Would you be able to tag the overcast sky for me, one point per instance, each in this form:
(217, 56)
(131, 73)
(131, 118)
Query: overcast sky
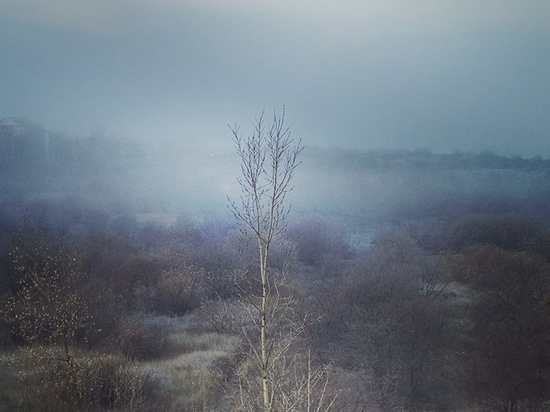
(373, 74)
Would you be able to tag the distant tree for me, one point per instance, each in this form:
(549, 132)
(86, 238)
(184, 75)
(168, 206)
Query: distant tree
(509, 362)
(319, 243)
(396, 322)
(508, 231)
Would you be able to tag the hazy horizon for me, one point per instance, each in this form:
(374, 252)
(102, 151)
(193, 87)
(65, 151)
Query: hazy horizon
(446, 76)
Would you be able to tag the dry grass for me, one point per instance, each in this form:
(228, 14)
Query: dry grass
(189, 378)
(8, 389)
(193, 378)
(91, 381)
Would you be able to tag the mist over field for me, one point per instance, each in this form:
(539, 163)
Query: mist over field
(125, 272)
(167, 244)
(123, 179)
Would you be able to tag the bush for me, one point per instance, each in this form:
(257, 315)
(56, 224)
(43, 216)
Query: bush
(50, 306)
(318, 243)
(144, 342)
(93, 382)
(180, 290)
(509, 232)
(507, 338)
(104, 380)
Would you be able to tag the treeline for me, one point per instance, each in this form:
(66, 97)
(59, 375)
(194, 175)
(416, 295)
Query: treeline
(27, 147)
(406, 184)
(447, 314)
(423, 159)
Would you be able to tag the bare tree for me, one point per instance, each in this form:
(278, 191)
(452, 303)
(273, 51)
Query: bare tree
(269, 158)
(50, 306)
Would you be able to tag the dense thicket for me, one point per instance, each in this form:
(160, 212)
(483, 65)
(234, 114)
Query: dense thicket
(441, 303)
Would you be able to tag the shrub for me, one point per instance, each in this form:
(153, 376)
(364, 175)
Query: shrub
(143, 342)
(103, 380)
(49, 306)
(93, 382)
(180, 290)
(318, 243)
(508, 231)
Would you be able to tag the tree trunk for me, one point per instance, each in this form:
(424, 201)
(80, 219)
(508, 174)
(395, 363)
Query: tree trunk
(263, 329)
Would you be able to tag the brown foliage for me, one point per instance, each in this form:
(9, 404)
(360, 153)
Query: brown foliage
(49, 306)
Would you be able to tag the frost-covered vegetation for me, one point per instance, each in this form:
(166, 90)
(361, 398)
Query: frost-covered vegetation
(416, 281)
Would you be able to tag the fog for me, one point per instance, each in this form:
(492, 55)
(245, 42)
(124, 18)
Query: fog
(403, 111)
(87, 182)
(402, 258)
(449, 76)
(411, 273)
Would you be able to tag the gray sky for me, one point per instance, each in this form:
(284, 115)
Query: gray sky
(382, 74)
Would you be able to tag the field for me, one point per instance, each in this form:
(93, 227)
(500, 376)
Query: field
(401, 281)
